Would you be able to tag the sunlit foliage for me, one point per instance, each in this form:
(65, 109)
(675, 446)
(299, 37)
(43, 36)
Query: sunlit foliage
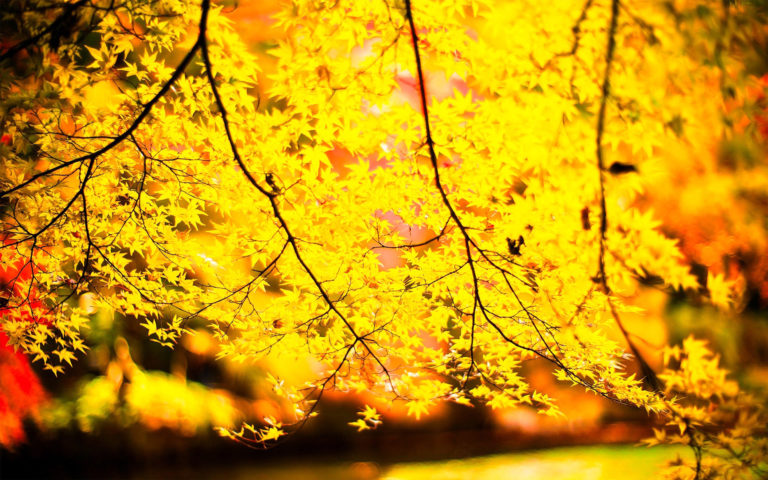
(421, 197)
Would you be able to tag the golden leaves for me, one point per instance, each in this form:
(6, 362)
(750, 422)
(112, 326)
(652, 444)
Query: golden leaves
(709, 412)
(370, 419)
(412, 280)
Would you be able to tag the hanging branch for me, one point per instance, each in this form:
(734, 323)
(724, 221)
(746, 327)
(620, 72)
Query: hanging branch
(272, 196)
(606, 92)
(649, 375)
(548, 352)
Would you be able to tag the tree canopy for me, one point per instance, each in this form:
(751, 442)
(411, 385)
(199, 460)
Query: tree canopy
(421, 196)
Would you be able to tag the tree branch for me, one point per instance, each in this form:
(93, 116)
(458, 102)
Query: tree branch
(469, 243)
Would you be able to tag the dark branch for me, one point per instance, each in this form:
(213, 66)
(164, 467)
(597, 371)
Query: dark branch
(469, 243)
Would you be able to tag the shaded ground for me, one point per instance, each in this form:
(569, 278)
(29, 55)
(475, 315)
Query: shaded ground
(627, 462)
(134, 452)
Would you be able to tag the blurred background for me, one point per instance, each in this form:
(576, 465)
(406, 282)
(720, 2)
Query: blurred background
(134, 409)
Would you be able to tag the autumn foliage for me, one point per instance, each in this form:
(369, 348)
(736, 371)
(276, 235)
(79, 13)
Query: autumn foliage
(422, 197)
(21, 394)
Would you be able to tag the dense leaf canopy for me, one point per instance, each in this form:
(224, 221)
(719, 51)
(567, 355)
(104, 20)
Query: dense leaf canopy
(421, 196)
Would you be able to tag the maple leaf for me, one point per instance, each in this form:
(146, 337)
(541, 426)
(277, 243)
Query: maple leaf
(271, 433)
(360, 424)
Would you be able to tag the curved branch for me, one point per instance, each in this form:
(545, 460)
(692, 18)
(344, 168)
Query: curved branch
(272, 196)
(469, 243)
(606, 92)
(145, 111)
(649, 376)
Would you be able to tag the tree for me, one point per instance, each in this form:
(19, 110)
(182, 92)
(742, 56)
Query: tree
(422, 196)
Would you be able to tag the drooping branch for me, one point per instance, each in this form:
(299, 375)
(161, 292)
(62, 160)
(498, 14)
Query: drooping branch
(469, 244)
(90, 160)
(649, 376)
(145, 111)
(606, 93)
(272, 196)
